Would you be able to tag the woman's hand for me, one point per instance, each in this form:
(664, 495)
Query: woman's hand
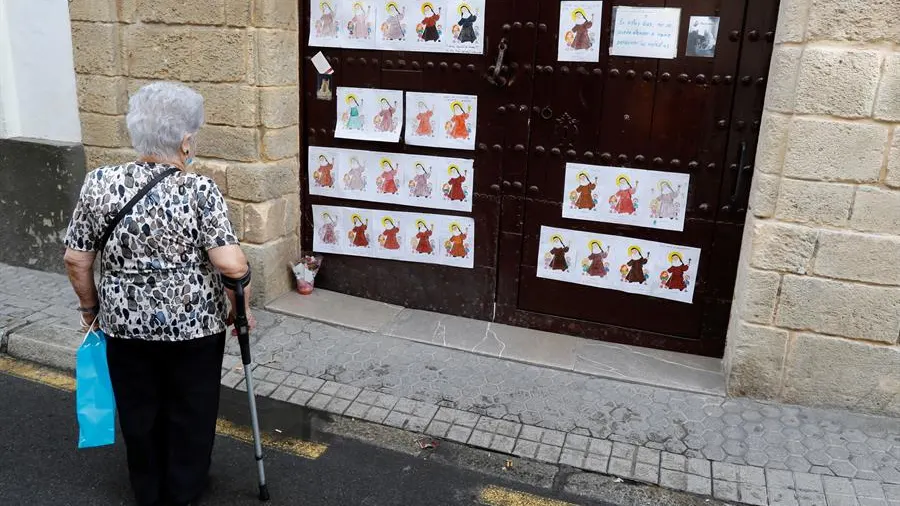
(229, 321)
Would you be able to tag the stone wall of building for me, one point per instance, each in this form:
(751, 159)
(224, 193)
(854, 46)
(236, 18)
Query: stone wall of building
(242, 55)
(816, 318)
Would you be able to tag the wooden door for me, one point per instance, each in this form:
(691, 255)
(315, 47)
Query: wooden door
(687, 115)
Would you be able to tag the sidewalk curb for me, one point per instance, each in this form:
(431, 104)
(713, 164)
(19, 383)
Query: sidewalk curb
(50, 345)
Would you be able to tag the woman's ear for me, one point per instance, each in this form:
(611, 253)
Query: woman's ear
(186, 143)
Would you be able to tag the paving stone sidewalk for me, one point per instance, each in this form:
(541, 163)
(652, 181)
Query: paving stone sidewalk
(733, 449)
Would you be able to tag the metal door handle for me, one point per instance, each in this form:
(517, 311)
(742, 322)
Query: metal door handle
(740, 169)
(493, 75)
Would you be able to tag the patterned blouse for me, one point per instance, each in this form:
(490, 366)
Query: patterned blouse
(157, 281)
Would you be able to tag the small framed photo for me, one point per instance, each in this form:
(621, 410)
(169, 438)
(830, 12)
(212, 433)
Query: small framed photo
(702, 34)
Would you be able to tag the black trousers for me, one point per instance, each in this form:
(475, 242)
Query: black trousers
(167, 396)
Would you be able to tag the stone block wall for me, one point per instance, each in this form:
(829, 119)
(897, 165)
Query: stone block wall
(242, 56)
(816, 318)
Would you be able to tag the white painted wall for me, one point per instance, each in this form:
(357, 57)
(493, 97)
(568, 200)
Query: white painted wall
(37, 75)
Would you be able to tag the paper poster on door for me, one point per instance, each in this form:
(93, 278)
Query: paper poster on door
(327, 23)
(702, 34)
(328, 233)
(392, 235)
(456, 240)
(556, 255)
(579, 31)
(430, 33)
(361, 24)
(677, 276)
(323, 165)
(618, 263)
(369, 114)
(636, 197)
(441, 120)
(390, 178)
(467, 33)
(396, 24)
(645, 32)
(357, 181)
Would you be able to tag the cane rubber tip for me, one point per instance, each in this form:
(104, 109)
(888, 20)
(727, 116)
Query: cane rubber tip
(263, 492)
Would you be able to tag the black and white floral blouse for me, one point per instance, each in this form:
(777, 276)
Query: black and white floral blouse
(158, 283)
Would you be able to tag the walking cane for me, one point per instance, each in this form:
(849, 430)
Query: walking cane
(243, 330)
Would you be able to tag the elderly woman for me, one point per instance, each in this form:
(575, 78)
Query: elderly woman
(161, 300)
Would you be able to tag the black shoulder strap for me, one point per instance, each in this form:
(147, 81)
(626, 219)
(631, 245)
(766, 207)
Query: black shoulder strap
(130, 205)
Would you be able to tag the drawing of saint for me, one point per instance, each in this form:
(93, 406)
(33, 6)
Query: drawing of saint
(466, 25)
(420, 186)
(352, 118)
(358, 236)
(423, 243)
(457, 127)
(358, 27)
(596, 264)
(666, 205)
(326, 25)
(424, 123)
(428, 29)
(674, 278)
(355, 178)
(327, 231)
(558, 260)
(623, 201)
(384, 120)
(388, 238)
(581, 30)
(387, 181)
(393, 26)
(453, 190)
(633, 271)
(583, 194)
(324, 174)
(456, 244)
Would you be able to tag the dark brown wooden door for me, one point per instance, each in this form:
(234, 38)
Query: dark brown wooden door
(689, 115)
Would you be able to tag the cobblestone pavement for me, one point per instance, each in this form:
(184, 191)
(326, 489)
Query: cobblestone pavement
(734, 449)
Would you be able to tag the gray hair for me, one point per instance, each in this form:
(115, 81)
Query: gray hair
(160, 115)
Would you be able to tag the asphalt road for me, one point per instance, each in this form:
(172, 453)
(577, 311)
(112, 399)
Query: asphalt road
(40, 466)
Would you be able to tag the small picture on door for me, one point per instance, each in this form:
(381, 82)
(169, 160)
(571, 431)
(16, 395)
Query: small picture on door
(595, 263)
(467, 33)
(395, 30)
(636, 268)
(430, 30)
(327, 23)
(579, 31)
(669, 201)
(457, 240)
(358, 232)
(328, 233)
(624, 201)
(355, 181)
(557, 254)
(676, 278)
(702, 34)
(390, 236)
(324, 166)
(389, 180)
(422, 239)
(421, 186)
(369, 114)
(360, 31)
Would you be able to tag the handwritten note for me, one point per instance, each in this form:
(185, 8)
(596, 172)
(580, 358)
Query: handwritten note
(645, 32)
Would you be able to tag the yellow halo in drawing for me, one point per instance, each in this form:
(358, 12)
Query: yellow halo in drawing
(460, 8)
(391, 4)
(325, 4)
(455, 225)
(623, 177)
(386, 161)
(592, 242)
(386, 220)
(576, 12)
(355, 217)
(328, 216)
(632, 249)
(555, 237)
(665, 183)
(451, 168)
(358, 4)
(673, 255)
(427, 5)
(421, 223)
(456, 103)
(585, 174)
(351, 97)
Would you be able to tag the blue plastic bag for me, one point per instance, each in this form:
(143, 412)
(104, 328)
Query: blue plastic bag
(95, 402)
